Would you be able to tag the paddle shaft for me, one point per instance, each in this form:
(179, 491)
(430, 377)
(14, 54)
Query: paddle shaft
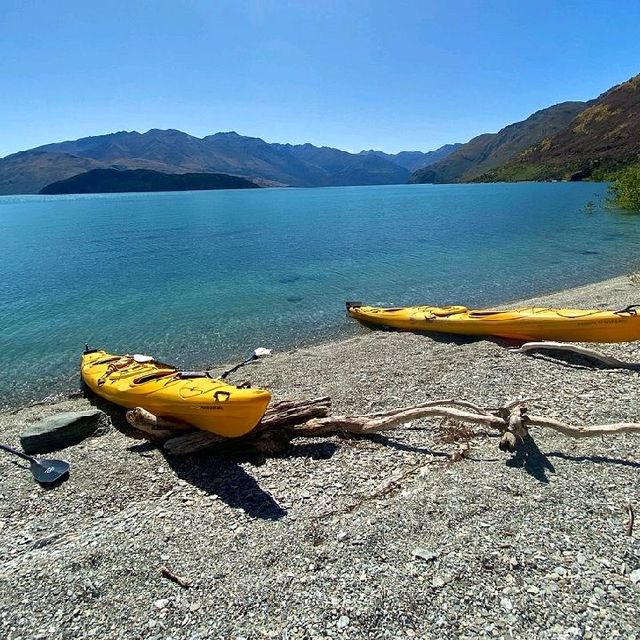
(17, 453)
(251, 358)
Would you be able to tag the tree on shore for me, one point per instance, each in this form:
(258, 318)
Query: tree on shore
(625, 189)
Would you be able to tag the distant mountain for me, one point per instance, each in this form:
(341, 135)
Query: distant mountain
(490, 150)
(414, 160)
(172, 151)
(133, 180)
(341, 168)
(602, 138)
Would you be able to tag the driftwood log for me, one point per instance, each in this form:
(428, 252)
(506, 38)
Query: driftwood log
(309, 418)
(604, 360)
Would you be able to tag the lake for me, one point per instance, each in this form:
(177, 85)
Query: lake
(200, 278)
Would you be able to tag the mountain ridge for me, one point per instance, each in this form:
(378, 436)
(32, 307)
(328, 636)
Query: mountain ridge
(600, 140)
(490, 150)
(173, 151)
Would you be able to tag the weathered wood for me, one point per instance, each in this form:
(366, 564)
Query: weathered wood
(375, 422)
(185, 583)
(63, 430)
(583, 431)
(630, 519)
(290, 419)
(290, 412)
(154, 426)
(192, 442)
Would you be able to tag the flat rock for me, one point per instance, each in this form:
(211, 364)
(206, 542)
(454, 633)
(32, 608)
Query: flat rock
(63, 430)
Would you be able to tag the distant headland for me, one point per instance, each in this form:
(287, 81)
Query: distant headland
(135, 180)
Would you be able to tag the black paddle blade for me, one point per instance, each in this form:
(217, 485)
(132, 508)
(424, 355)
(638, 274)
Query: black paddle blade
(49, 471)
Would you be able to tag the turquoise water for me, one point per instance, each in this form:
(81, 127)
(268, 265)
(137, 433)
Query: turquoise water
(199, 278)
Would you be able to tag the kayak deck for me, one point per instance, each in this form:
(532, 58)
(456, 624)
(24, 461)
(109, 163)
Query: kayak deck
(196, 399)
(525, 323)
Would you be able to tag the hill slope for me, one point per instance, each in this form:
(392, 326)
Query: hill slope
(602, 138)
(173, 151)
(134, 180)
(491, 150)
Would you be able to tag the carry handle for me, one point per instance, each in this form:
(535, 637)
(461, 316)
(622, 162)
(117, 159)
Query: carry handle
(221, 393)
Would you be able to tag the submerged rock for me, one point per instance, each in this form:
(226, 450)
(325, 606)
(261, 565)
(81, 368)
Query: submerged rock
(63, 430)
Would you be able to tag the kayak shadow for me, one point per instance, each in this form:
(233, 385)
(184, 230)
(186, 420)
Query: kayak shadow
(116, 414)
(446, 338)
(225, 478)
(220, 473)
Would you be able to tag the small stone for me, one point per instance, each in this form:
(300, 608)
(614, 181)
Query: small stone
(581, 558)
(438, 582)
(506, 604)
(343, 621)
(161, 604)
(341, 535)
(634, 576)
(194, 606)
(425, 554)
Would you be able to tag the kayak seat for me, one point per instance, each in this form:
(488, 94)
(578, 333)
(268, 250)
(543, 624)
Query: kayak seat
(105, 360)
(150, 377)
(448, 311)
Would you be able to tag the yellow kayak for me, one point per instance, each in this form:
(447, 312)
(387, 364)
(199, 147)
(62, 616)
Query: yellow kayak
(193, 398)
(526, 323)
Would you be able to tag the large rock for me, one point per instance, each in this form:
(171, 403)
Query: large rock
(63, 430)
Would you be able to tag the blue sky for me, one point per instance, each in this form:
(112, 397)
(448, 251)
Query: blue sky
(350, 74)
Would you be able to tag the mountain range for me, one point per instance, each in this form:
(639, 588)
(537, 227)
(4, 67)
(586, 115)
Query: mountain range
(568, 141)
(176, 152)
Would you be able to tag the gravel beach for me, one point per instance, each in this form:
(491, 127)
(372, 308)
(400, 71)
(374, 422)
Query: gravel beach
(377, 537)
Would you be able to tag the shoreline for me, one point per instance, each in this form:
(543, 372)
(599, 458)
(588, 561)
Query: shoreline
(589, 295)
(346, 537)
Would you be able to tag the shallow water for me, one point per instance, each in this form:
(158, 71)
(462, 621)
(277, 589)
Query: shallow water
(199, 278)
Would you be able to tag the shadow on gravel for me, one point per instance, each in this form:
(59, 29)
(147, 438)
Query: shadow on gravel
(378, 438)
(313, 450)
(597, 459)
(448, 338)
(532, 460)
(226, 479)
(219, 475)
(116, 413)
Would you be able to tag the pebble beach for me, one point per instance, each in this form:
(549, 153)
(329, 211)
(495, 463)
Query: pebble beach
(387, 536)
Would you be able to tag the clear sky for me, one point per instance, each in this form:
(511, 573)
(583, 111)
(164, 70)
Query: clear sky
(352, 74)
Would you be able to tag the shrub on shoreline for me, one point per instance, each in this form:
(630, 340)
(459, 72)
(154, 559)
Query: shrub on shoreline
(625, 189)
